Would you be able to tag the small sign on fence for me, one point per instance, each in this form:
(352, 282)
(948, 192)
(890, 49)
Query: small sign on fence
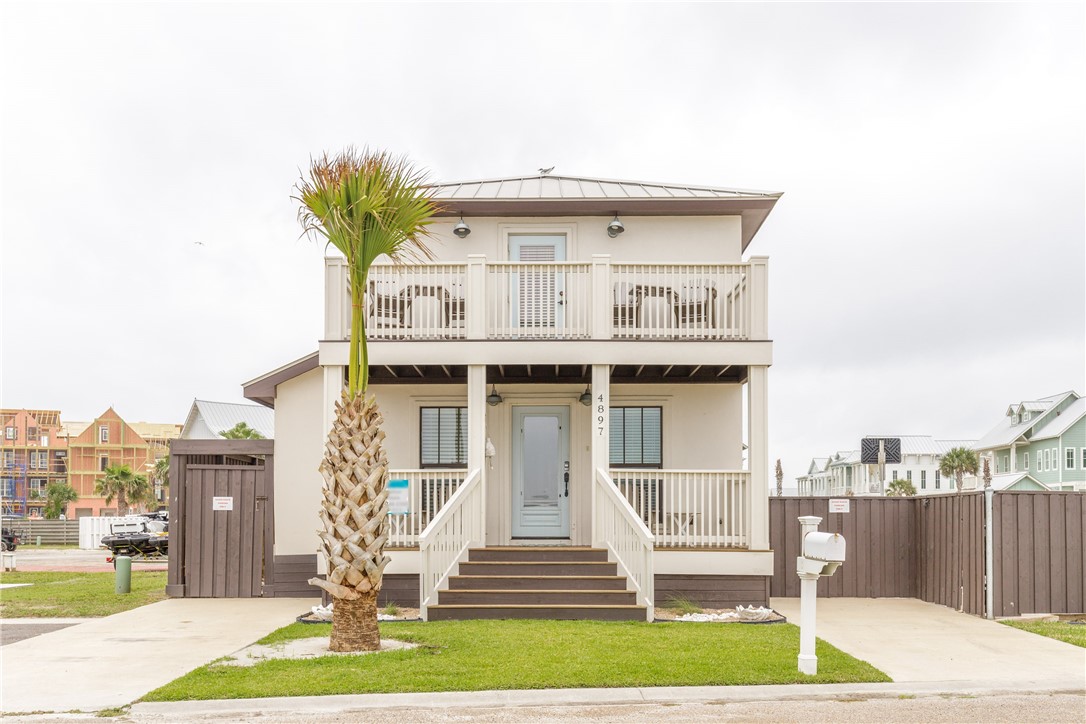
(838, 505)
(222, 503)
(399, 500)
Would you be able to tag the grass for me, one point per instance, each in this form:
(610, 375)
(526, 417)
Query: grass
(485, 655)
(1060, 630)
(391, 609)
(76, 595)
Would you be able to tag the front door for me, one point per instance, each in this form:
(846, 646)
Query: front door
(541, 472)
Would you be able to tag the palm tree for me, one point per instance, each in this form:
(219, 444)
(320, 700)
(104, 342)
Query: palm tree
(901, 488)
(957, 462)
(241, 431)
(366, 205)
(126, 486)
(780, 479)
(57, 497)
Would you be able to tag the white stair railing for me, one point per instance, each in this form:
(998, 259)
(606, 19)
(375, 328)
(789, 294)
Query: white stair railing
(616, 527)
(445, 542)
(429, 490)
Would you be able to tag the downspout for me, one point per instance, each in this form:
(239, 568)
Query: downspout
(989, 559)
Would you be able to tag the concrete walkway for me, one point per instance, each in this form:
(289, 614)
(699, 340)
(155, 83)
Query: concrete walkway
(112, 661)
(914, 641)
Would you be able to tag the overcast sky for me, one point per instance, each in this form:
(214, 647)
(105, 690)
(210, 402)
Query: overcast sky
(926, 262)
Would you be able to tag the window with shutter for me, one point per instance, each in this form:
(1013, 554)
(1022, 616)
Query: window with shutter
(443, 437)
(636, 437)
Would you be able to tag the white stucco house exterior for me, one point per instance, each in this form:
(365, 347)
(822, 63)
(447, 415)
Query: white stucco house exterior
(570, 373)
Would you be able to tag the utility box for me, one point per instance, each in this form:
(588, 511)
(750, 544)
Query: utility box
(828, 547)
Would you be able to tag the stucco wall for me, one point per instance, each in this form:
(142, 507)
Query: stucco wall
(647, 238)
(299, 443)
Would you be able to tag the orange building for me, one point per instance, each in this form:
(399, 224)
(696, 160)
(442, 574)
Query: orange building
(106, 441)
(33, 453)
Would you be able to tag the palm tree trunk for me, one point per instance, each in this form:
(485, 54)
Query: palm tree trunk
(354, 624)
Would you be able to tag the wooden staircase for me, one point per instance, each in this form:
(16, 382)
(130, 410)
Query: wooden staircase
(537, 582)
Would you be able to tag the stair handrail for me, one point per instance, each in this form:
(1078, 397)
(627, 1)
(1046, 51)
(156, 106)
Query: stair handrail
(619, 529)
(444, 543)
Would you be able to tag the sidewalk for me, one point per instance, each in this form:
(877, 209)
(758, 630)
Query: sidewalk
(914, 641)
(112, 661)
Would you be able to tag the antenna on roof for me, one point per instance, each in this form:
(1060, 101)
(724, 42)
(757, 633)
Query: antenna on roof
(545, 171)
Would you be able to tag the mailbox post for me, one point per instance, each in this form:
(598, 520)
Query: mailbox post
(822, 553)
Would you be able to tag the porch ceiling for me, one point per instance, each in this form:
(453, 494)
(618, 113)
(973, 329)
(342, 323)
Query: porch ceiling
(580, 374)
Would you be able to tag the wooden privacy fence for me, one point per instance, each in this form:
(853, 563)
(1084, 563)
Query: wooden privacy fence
(52, 532)
(221, 518)
(933, 548)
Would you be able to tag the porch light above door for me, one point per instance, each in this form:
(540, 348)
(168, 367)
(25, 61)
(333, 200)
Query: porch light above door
(615, 227)
(461, 229)
(586, 396)
(493, 399)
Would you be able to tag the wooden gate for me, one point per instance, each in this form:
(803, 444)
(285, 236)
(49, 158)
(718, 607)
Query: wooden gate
(221, 518)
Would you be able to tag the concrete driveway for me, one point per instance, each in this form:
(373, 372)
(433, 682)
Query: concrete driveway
(914, 641)
(112, 661)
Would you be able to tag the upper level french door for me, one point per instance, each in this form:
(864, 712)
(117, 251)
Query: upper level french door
(537, 295)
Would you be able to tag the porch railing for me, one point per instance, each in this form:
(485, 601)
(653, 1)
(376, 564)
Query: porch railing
(428, 492)
(444, 543)
(690, 508)
(538, 300)
(482, 299)
(680, 301)
(616, 527)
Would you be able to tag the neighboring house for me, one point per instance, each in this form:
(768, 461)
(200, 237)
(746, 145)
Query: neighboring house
(158, 436)
(577, 364)
(1038, 444)
(843, 474)
(33, 454)
(108, 440)
(207, 419)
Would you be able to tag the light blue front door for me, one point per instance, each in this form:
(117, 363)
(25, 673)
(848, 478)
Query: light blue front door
(541, 472)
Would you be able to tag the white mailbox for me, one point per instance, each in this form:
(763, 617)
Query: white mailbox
(829, 547)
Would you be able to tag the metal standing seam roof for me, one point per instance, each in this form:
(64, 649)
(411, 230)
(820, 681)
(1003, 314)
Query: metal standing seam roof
(206, 419)
(1068, 417)
(579, 187)
(1004, 433)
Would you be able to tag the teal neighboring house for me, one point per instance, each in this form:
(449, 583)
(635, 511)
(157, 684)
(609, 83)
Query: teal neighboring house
(1039, 445)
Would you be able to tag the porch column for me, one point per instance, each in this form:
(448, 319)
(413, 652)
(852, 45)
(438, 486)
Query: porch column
(602, 298)
(477, 428)
(758, 455)
(601, 417)
(475, 297)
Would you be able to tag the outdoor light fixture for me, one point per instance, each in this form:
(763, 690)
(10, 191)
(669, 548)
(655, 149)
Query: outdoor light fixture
(586, 396)
(493, 399)
(461, 229)
(615, 227)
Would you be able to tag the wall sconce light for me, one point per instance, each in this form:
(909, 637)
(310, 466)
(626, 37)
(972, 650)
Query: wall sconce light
(586, 396)
(493, 399)
(461, 229)
(615, 227)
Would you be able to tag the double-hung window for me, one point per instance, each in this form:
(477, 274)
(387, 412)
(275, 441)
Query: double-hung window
(637, 437)
(923, 479)
(1069, 454)
(103, 433)
(443, 437)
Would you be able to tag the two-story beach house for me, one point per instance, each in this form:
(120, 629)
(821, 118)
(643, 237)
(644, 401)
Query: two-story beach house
(566, 393)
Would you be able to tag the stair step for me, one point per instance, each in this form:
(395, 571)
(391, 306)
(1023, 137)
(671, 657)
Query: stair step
(538, 554)
(537, 597)
(444, 612)
(517, 583)
(563, 568)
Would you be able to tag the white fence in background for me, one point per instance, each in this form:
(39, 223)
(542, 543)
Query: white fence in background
(92, 529)
(690, 508)
(428, 490)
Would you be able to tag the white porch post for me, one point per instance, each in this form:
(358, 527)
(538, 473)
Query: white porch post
(477, 429)
(602, 303)
(758, 455)
(601, 431)
(475, 298)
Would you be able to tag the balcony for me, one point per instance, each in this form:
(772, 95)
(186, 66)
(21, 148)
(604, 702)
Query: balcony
(596, 300)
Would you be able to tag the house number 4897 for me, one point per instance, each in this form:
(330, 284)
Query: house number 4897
(601, 415)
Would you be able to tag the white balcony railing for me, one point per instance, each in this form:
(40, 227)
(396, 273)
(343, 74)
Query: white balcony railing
(690, 508)
(616, 527)
(554, 300)
(428, 490)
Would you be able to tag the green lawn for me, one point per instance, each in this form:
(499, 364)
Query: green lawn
(1065, 631)
(76, 595)
(483, 655)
